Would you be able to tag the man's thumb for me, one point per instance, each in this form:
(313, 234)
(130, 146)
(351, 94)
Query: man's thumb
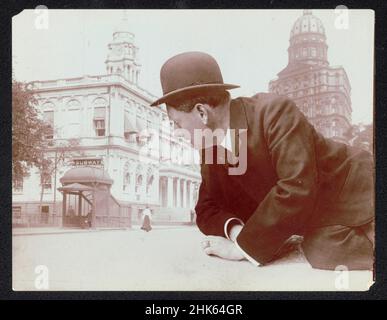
(208, 250)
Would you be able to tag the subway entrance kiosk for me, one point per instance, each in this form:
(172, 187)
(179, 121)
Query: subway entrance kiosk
(88, 202)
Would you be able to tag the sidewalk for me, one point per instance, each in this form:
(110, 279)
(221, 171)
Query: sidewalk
(64, 230)
(165, 259)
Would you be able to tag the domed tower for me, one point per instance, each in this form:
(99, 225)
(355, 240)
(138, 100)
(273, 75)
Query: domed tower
(320, 91)
(308, 41)
(123, 57)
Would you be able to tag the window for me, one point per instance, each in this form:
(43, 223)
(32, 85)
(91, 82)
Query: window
(314, 52)
(48, 118)
(143, 133)
(99, 126)
(149, 181)
(99, 117)
(304, 52)
(46, 182)
(74, 128)
(126, 181)
(18, 185)
(45, 210)
(16, 212)
(99, 121)
(126, 177)
(129, 127)
(138, 183)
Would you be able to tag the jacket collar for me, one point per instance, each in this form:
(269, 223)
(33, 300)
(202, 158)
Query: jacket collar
(238, 118)
(238, 121)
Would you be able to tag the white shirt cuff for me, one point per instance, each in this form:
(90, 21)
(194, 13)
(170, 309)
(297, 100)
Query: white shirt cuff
(252, 260)
(226, 225)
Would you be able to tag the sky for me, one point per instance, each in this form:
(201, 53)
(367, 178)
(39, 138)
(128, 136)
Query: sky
(249, 45)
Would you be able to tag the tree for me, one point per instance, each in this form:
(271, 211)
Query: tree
(48, 166)
(30, 145)
(28, 131)
(361, 136)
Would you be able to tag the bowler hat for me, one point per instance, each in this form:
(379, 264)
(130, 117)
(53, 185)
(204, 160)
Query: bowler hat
(190, 74)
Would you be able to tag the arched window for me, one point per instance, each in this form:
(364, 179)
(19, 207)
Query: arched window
(48, 118)
(130, 129)
(149, 180)
(17, 184)
(126, 178)
(74, 118)
(139, 179)
(138, 182)
(45, 181)
(99, 119)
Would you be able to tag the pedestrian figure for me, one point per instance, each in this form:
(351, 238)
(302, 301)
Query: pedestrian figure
(146, 222)
(87, 220)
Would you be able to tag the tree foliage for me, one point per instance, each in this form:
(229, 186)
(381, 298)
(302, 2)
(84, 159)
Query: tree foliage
(361, 136)
(28, 131)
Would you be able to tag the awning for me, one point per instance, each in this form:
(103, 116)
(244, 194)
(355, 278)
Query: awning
(142, 128)
(141, 124)
(129, 126)
(85, 174)
(75, 187)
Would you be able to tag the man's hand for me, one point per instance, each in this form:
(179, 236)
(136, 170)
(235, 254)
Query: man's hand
(221, 247)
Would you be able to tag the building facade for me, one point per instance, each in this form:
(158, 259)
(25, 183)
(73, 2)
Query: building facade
(106, 121)
(321, 92)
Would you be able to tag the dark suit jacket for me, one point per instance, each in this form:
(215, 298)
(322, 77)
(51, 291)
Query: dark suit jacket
(296, 179)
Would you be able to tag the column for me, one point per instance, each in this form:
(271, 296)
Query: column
(184, 200)
(189, 194)
(64, 208)
(170, 191)
(194, 193)
(178, 193)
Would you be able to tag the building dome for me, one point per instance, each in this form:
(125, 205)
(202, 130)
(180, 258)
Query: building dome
(308, 41)
(307, 23)
(86, 175)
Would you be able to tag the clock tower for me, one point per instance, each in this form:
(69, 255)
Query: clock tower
(122, 58)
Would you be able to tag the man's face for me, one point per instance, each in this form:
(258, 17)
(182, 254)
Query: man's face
(188, 121)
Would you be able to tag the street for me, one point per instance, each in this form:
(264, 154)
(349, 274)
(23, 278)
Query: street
(165, 259)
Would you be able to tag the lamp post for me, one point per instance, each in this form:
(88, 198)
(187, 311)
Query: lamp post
(55, 171)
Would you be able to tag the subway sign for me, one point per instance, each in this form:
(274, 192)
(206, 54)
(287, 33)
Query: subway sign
(87, 162)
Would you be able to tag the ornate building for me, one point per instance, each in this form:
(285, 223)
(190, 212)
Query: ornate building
(114, 127)
(321, 92)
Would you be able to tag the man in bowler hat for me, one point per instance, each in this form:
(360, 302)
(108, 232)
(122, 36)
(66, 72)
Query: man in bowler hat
(296, 186)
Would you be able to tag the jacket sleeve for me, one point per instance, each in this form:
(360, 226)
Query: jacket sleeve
(210, 217)
(290, 202)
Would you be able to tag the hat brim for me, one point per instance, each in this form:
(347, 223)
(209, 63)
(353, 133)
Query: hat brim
(192, 90)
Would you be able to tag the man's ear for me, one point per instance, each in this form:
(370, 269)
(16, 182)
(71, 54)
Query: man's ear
(202, 111)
